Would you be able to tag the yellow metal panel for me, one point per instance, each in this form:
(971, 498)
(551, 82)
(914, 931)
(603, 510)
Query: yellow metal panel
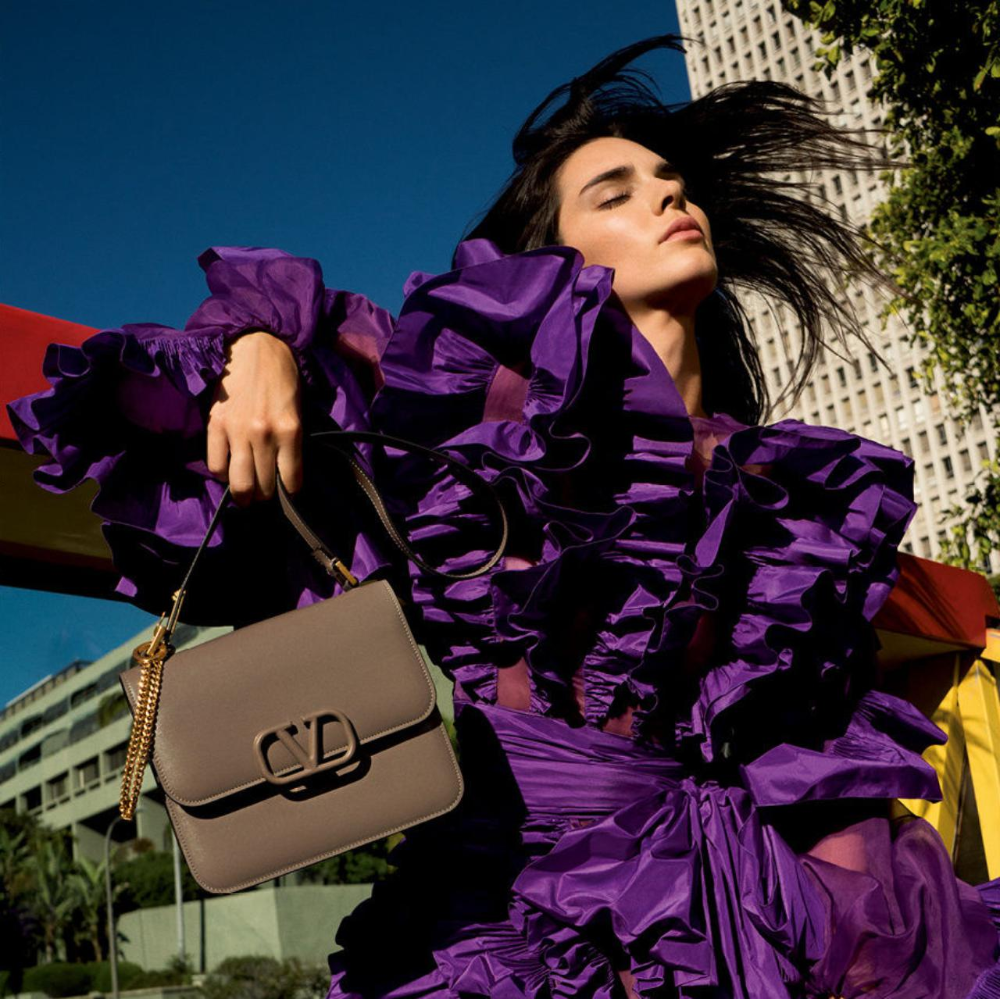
(979, 707)
(947, 761)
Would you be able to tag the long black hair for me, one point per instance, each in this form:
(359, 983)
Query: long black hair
(732, 147)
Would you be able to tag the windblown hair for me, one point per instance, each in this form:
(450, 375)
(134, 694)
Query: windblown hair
(732, 146)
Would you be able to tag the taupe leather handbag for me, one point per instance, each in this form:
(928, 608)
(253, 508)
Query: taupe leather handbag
(301, 736)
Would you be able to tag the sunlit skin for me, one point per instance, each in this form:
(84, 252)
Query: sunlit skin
(620, 223)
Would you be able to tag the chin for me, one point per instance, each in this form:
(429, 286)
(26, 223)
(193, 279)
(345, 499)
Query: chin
(699, 277)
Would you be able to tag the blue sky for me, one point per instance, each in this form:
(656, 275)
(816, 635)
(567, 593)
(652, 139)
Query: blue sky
(135, 135)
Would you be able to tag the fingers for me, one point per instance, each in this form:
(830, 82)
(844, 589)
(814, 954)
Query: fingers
(290, 457)
(249, 464)
(217, 458)
(242, 476)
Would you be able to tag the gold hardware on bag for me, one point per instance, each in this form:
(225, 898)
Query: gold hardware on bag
(150, 656)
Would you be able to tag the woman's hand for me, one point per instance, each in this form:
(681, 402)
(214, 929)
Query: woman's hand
(255, 423)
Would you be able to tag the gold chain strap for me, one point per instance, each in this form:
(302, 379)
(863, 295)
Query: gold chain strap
(150, 656)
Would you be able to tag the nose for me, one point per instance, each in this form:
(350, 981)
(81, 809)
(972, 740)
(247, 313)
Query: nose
(670, 194)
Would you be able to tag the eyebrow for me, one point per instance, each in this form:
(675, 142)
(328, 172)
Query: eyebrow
(624, 171)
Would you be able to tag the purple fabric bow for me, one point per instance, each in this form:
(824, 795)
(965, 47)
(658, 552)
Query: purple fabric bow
(679, 873)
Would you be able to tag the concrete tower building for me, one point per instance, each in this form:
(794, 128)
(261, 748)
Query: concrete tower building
(756, 39)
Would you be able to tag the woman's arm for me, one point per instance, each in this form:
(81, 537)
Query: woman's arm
(131, 408)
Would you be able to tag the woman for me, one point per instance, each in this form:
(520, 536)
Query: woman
(679, 778)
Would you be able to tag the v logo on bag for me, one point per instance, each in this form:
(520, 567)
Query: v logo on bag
(308, 760)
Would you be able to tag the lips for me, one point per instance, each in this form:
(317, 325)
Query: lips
(683, 224)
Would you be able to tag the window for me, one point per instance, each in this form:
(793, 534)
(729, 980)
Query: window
(924, 444)
(841, 377)
(757, 28)
(911, 376)
(850, 81)
(904, 445)
(731, 45)
(901, 420)
(838, 186)
(771, 19)
(57, 787)
(966, 459)
(984, 451)
(87, 772)
(114, 758)
(762, 50)
(775, 40)
(942, 434)
(857, 368)
(949, 472)
(872, 361)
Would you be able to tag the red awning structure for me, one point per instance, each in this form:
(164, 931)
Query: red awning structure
(47, 542)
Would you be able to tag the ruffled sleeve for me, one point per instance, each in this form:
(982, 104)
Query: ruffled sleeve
(814, 517)
(128, 408)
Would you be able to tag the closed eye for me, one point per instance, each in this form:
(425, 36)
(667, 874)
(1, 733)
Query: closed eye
(612, 201)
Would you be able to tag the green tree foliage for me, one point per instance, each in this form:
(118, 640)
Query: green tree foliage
(51, 900)
(936, 69)
(147, 879)
(88, 892)
(359, 866)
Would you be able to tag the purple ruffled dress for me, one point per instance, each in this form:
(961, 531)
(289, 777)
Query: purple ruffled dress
(678, 775)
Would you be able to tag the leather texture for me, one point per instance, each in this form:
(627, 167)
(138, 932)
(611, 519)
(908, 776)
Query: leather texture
(353, 654)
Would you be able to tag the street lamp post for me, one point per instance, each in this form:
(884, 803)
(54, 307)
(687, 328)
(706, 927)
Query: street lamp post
(112, 936)
(179, 899)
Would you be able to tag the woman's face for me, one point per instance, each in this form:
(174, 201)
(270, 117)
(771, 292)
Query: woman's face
(620, 221)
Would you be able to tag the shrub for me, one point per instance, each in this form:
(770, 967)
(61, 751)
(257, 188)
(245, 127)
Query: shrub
(60, 978)
(130, 976)
(266, 978)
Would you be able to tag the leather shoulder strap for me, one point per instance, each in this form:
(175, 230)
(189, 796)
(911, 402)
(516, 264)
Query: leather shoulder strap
(339, 440)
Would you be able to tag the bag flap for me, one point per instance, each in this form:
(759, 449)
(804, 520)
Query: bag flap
(273, 682)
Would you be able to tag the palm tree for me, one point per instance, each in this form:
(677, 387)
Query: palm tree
(17, 925)
(87, 886)
(52, 899)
